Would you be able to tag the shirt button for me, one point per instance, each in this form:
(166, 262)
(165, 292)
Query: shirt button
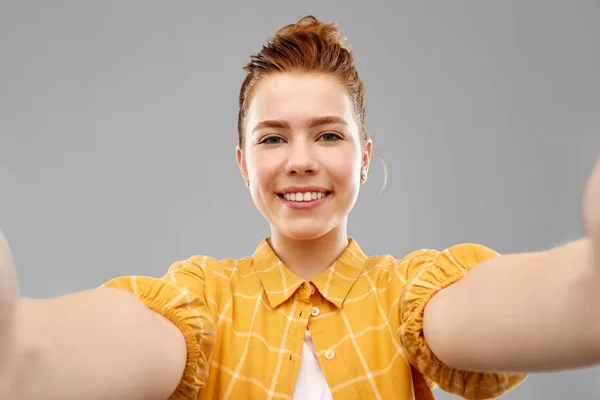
(315, 311)
(312, 289)
(329, 354)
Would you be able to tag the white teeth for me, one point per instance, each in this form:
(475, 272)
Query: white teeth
(307, 196)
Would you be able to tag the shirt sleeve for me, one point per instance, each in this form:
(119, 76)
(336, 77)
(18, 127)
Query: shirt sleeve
(427, 272)
(179, 297)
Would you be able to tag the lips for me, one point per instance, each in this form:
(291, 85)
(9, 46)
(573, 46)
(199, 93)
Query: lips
(304, 196)
(304, 193)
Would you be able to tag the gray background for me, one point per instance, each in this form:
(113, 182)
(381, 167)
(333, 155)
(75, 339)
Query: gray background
(118, 132)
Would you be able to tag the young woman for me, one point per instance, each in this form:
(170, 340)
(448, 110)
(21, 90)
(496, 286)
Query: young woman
(309, 315)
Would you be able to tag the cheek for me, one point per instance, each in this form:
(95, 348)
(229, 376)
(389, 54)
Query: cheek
(263, 168)
(345, 171)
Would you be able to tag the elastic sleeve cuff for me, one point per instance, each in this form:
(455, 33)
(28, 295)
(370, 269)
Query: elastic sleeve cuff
(443, 269)
(190, 314)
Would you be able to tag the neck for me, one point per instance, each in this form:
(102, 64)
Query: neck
(309, 258)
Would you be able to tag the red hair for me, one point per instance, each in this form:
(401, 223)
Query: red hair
(308, 46)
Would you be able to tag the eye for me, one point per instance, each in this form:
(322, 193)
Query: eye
(330, 137)
(271, 140)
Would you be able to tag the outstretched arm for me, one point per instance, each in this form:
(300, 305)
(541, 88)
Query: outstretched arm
(527, 312)
(98, 344)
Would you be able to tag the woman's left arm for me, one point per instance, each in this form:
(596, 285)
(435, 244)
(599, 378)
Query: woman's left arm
(528, 312)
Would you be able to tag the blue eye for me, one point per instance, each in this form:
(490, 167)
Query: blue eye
(330, 137)
(271, 140)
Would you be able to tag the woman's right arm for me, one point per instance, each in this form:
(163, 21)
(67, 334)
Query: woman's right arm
(98, 344)
(133, 338)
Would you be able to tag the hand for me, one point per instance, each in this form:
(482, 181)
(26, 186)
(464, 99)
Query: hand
(590, 211)
(8, 295)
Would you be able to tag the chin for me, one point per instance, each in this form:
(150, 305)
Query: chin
(303, 235)
(304, 231)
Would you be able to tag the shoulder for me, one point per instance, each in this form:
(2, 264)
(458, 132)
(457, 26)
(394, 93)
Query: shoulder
(463, 254)
(203, 264)
(457, 259)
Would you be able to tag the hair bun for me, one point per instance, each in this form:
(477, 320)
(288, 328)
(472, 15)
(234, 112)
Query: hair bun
(327, 32)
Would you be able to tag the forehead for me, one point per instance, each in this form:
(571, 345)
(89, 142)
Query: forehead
(297, 97)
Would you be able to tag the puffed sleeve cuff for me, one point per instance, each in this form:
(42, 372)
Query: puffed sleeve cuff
(189, 313)
(439, 270)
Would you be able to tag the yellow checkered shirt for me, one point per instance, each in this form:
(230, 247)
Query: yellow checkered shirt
(245, 320)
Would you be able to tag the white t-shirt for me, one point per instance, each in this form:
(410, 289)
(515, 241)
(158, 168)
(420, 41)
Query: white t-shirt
(311, 383)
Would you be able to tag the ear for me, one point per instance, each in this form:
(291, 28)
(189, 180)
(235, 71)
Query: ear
(366, 157)
(239, 157)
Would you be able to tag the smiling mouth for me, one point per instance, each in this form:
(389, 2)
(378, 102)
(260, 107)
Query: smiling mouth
(304, 196)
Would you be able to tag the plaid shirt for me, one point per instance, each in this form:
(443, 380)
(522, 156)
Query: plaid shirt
(245, 320)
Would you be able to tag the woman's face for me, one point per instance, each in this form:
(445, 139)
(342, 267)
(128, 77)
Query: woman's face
(303, 154)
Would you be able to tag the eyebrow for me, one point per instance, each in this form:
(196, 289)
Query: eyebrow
(311, 123)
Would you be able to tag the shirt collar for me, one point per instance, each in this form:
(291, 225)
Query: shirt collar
(334, 283)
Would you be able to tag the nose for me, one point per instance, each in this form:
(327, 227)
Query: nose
(301, 160)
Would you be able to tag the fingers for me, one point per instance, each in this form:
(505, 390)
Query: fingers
(8, 281)
(8, 295)
(590, 207)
